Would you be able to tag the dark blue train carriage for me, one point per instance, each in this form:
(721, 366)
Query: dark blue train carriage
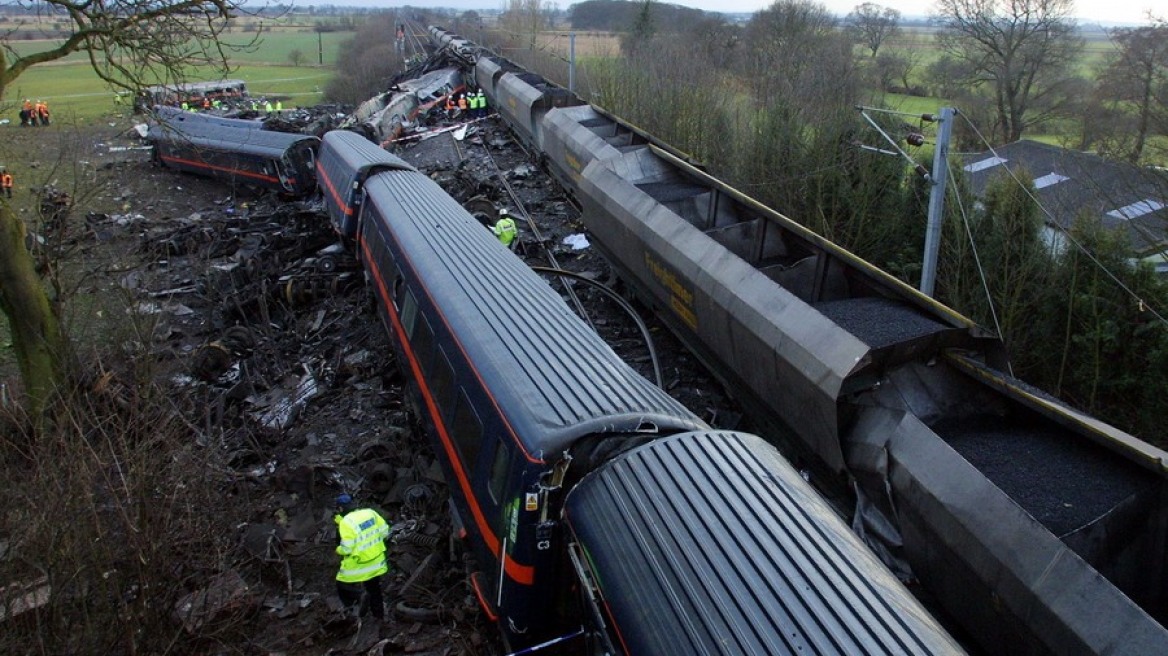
(712, 543)
(346, 160)
(278, 161)
(174, 115)
(522, 399)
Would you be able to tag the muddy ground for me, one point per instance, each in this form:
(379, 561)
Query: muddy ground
(289, 376)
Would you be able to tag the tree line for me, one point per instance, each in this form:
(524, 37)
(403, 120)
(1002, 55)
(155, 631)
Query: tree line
(618, 15)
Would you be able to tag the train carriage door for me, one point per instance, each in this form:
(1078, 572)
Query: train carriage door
(505, 514)
(300, 164)
(502, 508)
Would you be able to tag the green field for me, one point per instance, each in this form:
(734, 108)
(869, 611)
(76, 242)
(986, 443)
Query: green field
(73, 91)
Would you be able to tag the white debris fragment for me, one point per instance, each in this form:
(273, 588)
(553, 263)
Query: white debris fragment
(577, 242)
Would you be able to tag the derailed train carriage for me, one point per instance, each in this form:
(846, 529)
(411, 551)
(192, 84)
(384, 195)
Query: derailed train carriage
(175, 94)
(278, 161)
(346, 161)
(386, 116)
(580, 484)
(1038, 528)
(173, 115)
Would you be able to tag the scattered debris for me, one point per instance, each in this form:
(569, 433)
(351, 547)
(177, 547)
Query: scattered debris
(576, 242)
(263, 328)
(227, 595)
(22, 596)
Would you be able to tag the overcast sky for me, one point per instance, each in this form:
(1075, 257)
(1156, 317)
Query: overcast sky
(1106, 11)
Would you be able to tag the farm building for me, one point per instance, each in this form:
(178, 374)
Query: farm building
(1069, 183)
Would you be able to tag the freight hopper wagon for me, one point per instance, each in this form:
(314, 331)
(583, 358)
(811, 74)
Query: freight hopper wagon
(1040, 529)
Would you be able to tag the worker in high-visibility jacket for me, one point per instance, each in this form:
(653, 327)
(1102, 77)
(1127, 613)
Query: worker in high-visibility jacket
(505, 229)
(6, 182)
(42, 112)
(361, 536)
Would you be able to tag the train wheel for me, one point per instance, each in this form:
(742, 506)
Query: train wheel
(326, 264)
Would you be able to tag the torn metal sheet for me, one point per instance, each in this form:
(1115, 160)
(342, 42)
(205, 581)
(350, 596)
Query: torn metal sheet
(386, 116)
(22, 596)
(226, 595)
(283, 412)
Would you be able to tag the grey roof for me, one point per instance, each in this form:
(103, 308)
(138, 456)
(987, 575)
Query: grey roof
(711, 543)
(551, 375)
(1069, 182)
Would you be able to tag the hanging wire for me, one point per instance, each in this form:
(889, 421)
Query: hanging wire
(917, 166)
(976, 257)
(1066, 233)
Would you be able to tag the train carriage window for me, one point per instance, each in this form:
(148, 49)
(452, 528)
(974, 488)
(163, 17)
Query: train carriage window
(442, 383)
(409, 311)
(418, 332)
(499, 469)
(422, 342)
(397, 284)
(467, 431)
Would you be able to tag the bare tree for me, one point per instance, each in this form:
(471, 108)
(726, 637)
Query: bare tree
(1023, 50)
(794, 46)
(1137, 78)
(130, 43)
(527, 18)
(899, 66)
(366, 62)
(806, 84)
(871, 24)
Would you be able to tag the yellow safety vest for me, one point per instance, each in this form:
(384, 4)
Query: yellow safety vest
(363, 533)
(505, 230)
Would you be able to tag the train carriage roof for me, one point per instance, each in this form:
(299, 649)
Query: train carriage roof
(711, 543)
(198, 87)
(556, 379)
(353, 152)
(170, 115)
(209, 135)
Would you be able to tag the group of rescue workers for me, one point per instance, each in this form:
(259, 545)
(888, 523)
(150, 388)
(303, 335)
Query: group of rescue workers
(34, 114)
(472, 104)
(207, 104)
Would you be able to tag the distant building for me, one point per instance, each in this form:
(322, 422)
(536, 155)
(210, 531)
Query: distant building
(1068, 183)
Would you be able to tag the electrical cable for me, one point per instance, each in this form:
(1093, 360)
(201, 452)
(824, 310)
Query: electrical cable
(976, 258)
(628, 308)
